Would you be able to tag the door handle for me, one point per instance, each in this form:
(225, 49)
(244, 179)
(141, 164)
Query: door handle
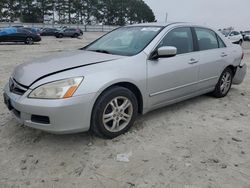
(223, 54)
(193, 61)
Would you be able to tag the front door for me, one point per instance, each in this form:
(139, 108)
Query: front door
(175, 77)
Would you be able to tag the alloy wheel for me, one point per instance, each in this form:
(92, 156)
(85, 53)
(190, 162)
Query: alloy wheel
(117, 114)
(225, 83)
(29, 40)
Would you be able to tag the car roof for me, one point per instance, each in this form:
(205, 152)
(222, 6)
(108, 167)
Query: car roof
(165, 24)
(157, 24)
(172, 24)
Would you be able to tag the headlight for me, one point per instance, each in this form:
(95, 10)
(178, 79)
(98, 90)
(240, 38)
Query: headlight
(57, 90)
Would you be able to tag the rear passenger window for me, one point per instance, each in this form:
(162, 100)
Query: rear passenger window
(221, 43)
(206, 39)
(181, 38)
(22, 31)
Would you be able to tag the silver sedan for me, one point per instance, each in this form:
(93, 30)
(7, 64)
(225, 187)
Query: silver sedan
(129, 71)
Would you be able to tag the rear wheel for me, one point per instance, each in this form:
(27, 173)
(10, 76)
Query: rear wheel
(114, 113)
(29, 40)
(224, 84)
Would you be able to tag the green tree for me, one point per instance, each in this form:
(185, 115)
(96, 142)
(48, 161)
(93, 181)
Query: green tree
(1, 10)
(110, 12)
(46, 7)
(10, 9)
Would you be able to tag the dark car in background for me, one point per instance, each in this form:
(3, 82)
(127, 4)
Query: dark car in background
(49, 31)
(246, 36)
(13, 34)
(69, 32)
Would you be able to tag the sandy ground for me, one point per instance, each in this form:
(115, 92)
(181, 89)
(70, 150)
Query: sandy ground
(203, 142)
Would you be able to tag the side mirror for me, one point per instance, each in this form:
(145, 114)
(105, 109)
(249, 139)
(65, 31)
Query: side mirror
(165, 51)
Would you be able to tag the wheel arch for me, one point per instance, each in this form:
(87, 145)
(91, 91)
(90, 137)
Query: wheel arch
(233, 68)
(130, 86)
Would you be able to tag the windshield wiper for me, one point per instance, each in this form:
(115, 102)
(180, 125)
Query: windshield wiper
(101, 51)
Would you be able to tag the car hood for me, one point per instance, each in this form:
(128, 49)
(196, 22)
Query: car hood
(28, 73)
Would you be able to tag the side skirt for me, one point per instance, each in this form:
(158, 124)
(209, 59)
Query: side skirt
(167, 103)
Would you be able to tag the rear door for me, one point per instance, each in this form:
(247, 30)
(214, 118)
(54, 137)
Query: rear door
(49, 32)
(174, 77)
(20, 35)
(213, 57)
(3, 36)
(7, 34)
(67, 32)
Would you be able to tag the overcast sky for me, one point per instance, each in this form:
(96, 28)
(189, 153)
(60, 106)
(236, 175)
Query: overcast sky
(215, 13)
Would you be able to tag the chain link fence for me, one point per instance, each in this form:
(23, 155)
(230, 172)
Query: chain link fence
(85, 28)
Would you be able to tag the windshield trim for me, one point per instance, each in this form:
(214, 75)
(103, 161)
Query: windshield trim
(160, 30)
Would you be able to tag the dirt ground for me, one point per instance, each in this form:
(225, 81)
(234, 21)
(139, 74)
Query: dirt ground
(202, 142)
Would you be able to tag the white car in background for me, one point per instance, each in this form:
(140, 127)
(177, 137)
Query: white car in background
(234, 36)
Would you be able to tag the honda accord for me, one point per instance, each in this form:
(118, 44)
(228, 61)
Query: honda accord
(132, 70)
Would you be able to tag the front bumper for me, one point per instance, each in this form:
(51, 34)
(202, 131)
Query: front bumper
(59, 116)
(240, 74)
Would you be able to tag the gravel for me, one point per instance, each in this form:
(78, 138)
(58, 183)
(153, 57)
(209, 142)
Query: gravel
(195, 143)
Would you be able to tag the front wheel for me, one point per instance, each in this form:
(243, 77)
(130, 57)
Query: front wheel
(114, 113)
(240, 42)
(29, 40)
(75, 35)
(224, 84)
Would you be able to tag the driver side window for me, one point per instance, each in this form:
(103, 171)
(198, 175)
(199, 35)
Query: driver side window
(181, 38)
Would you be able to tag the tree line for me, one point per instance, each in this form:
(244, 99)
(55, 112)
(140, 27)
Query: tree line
(108, 12)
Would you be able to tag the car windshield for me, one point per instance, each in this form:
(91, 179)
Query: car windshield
(127, 41)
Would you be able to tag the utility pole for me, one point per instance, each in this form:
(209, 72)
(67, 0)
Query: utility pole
(166, 19)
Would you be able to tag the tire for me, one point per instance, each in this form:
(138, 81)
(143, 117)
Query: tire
(118, 120)
(224, 84)
(60, 36)
(75, 35)
(240, 42)
(29, 40)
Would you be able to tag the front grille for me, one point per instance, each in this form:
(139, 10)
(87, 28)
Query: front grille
(16, 88)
